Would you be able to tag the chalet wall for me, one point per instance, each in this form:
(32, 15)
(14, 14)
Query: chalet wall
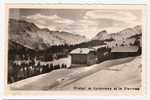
(79, 58)
(91, 58)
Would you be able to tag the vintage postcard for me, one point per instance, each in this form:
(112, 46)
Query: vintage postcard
(80, 50)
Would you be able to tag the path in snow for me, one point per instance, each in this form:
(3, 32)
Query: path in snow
(59, 79)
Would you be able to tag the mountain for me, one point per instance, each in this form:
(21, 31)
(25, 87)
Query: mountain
(125, 37)
(101, 35)
(124, 34)
(29, 35)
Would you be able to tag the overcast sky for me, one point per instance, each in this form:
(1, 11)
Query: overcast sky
(84, 22)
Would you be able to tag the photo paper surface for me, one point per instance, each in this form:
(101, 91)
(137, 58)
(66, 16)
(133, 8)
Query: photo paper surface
(75, 50)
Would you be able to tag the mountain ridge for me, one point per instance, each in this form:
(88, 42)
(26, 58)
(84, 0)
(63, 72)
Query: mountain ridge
(28, 33)
(125, 33)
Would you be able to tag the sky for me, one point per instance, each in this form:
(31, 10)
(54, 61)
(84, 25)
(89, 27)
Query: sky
(86, 22)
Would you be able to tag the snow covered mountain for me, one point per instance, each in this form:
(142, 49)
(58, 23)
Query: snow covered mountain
(101, 35)
(124, 34)
(31, 36)
(120, 38)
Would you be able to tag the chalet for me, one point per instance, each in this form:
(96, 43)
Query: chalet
(102, 52)
(89, 56)
(83, 56)
(125, 51)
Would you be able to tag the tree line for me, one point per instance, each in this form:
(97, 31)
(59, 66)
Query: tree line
(25, 70)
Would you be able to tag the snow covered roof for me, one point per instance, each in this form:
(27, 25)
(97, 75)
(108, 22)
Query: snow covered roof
(81, 51)
(125, 49)
(97, 47)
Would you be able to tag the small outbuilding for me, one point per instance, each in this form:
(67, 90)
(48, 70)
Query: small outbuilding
(83, 56)
(125, 51)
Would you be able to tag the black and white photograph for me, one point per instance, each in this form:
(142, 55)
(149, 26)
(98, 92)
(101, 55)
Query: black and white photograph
(75, 49)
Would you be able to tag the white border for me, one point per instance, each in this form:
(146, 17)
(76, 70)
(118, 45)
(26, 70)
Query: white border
(2, 46)
(79, 93)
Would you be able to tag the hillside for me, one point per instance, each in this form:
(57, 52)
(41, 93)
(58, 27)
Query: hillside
(29, 34)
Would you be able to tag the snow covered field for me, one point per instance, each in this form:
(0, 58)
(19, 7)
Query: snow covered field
(111, 73)
(122, 75)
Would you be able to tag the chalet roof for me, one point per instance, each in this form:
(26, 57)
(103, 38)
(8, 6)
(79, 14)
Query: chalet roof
(81, 51)
(100, 46)
(125, 49)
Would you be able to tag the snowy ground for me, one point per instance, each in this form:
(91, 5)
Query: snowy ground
(111, 73)
(122, 75)
(61, 61)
